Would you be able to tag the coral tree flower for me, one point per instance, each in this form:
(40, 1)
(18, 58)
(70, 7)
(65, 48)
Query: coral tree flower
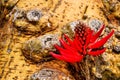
(85, 42)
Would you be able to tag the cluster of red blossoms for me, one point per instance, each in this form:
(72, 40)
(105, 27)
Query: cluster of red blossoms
(85, 42)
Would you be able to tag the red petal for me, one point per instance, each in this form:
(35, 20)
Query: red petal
(68, 39)
(70, 59)
(77, 43)
(58, 47)
(102, 41)
(96, 53)
(84, 50)
(88, 38)
(69, 52)
(68, 47)
(66, 52)
(71, 43)
(64, 44)
(63, 57)
(57, 56)
(73, 59)
(95, 36)
(78, 59)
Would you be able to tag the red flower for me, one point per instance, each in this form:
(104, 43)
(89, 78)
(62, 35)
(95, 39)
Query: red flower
(85, 42)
